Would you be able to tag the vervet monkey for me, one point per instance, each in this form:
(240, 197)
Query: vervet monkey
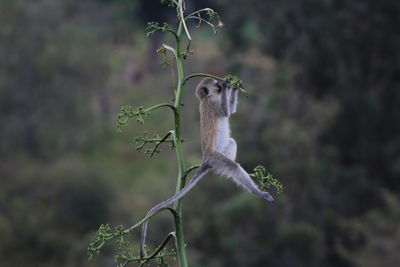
(217, 103)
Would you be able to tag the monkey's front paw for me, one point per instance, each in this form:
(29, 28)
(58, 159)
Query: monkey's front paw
(267, 196)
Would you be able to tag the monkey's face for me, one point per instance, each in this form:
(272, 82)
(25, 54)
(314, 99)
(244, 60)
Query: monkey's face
(210, 90)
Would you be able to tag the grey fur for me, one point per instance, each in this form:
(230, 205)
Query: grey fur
(233, 100)
(221, 160)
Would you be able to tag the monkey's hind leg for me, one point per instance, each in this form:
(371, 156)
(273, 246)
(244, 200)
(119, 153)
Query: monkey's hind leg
(242, 177)
(234, 171)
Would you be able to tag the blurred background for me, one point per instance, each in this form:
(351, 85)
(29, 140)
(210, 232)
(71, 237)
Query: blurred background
(322, 115)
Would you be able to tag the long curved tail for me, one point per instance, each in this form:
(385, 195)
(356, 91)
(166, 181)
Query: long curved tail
(220, 164)
(203, 170)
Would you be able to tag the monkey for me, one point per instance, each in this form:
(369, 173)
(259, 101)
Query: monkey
(218, 101)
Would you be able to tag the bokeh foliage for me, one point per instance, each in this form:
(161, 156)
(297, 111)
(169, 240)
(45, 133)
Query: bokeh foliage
(322, 115)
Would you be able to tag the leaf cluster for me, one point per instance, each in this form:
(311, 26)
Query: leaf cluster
(127, 112)
(235, 82)
(152, 27)
(266, 180)
(125, 253)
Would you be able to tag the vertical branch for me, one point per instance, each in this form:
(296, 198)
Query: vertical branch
(180, 242)
(105, 233)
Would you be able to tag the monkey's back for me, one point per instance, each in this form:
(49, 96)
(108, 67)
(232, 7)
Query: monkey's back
(208, 128)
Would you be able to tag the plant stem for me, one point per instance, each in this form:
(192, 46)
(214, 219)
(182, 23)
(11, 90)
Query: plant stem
(201, 75)
(180, 242)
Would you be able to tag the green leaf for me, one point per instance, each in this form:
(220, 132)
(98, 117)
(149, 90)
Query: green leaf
(266, 180)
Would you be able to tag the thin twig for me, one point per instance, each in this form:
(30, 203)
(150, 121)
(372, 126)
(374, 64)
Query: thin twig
(159, 248)
(159, 106)
(199, 11)
(187, 171)
(205, 21)
(191, 168)
(201, 75)
(182, 18)
(173, 32)
(160, 142)
(140, 142)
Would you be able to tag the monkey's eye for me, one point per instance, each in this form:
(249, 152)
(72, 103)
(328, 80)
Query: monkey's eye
(203, 91)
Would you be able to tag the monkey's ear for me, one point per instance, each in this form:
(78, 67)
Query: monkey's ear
(203, 91)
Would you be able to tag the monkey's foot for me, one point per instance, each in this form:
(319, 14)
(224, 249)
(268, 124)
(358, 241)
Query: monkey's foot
(267, 196)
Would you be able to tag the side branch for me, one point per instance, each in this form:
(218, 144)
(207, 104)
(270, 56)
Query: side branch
(187, 171)
(133, 227)
(201, 75)
(127, 112)
(200, 19)
(160, 106)
(173, 33)
(158, 143)
(159, 248)
(152, 27)
(157, 253)
(232, 80)
(105, 234)
(199, 11)
(142, 141)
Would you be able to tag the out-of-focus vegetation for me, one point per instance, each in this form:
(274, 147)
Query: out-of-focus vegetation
(323, 114)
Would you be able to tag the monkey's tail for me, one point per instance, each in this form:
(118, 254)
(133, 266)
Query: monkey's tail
(203, 169)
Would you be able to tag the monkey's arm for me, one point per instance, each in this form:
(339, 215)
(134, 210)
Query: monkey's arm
(203, 169)
(224, 166)
(225, 101)
(233, 99)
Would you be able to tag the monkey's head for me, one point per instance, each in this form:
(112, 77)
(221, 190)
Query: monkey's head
(210, 90)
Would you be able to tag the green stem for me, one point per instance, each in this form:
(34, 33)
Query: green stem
(198, 12)
(160, 247)
(159, 106)
(180, 242)
(201, 75)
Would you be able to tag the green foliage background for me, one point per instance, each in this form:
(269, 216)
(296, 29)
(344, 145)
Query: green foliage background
(323, 115)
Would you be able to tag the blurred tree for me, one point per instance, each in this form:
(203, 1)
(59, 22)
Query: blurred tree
(47, 76)
(344, 52)
(46, 212)
(373, 239)
(50, 70)
(327, 125)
